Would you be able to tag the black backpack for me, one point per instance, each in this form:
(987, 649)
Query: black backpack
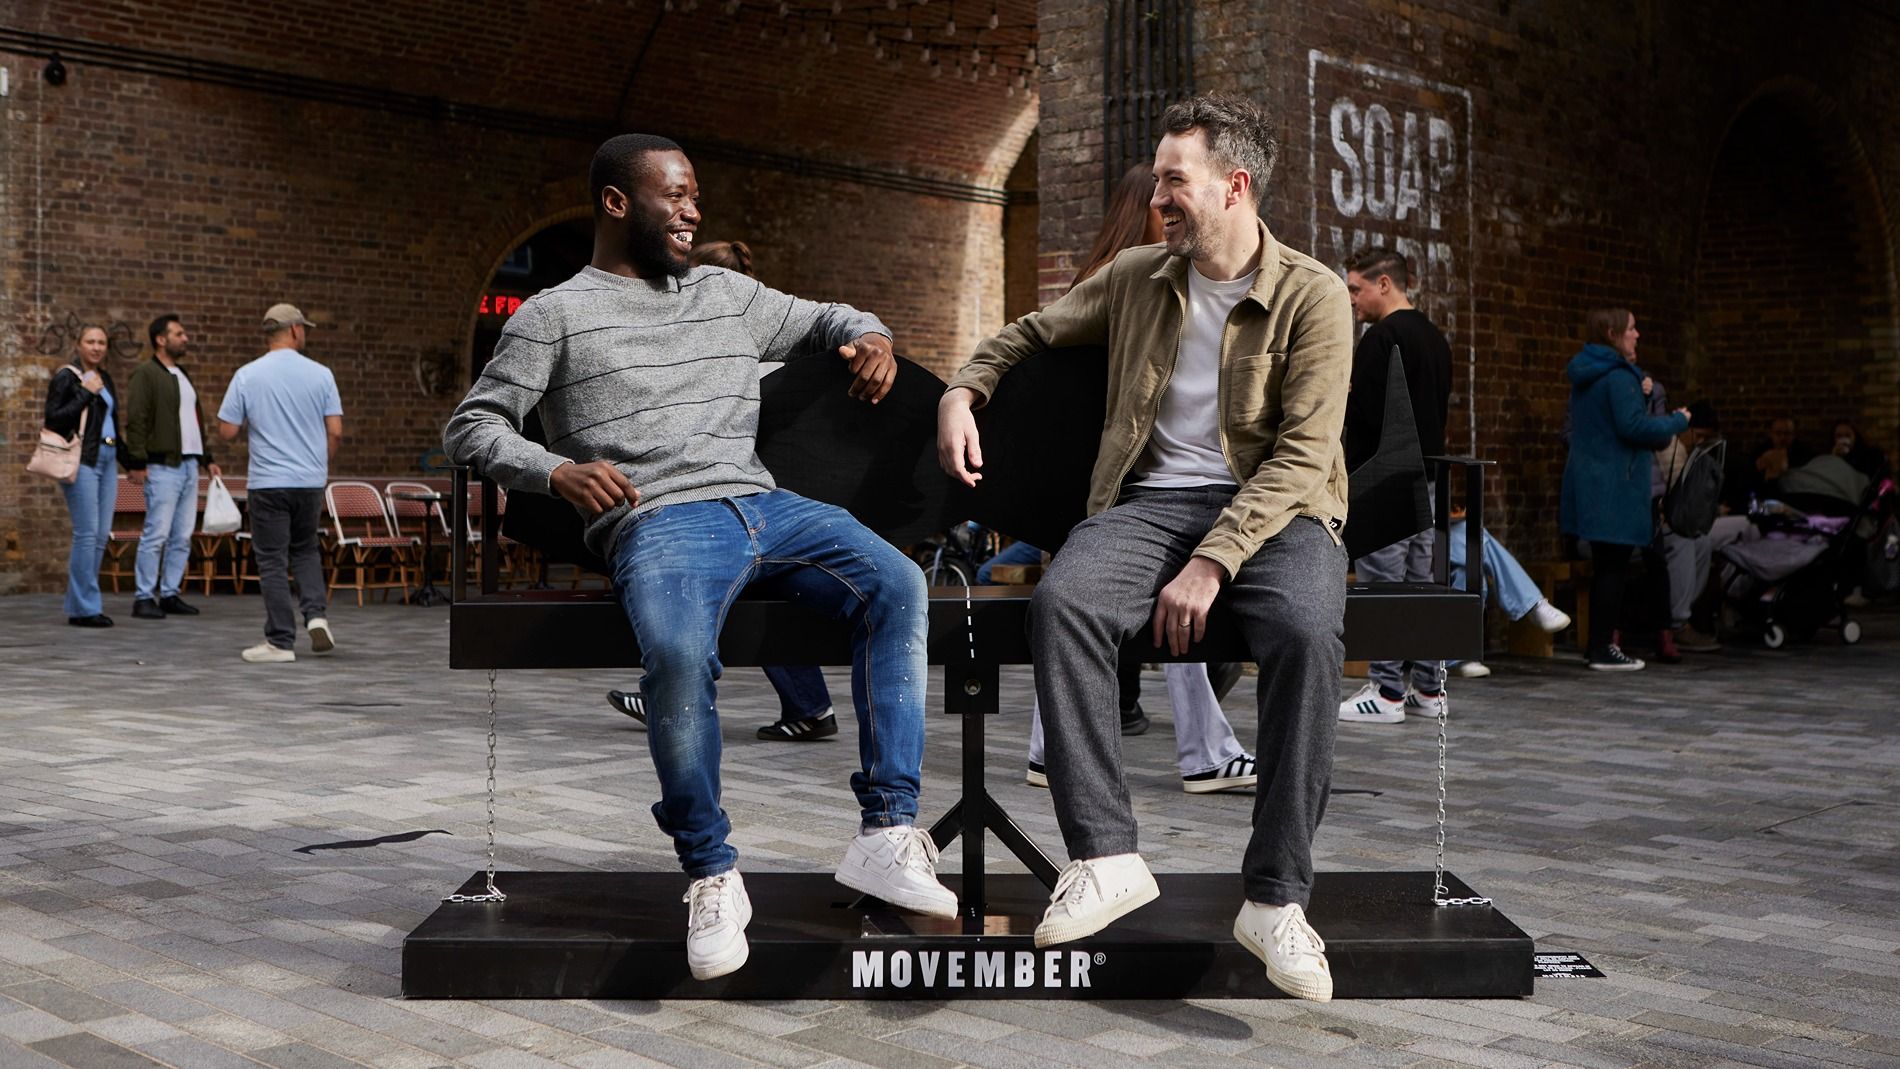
(1690, 504)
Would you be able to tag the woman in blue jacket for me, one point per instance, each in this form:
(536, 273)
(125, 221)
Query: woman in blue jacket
(1606, 500)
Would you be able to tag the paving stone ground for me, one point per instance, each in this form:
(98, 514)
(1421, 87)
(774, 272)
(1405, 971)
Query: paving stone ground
(1722, 838)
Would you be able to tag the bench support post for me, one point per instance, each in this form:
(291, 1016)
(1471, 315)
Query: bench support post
(970, 691)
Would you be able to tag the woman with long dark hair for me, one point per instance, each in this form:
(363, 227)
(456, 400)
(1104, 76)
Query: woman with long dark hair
(84, 387)
(1606, 490)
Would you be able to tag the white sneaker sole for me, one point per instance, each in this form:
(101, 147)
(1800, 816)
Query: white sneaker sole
(1209, 786)
(867, 883)
(268, 658)
(725, 963)
(321, 640)
(1037, 779)
(1049, 933)
(1372, 718)
(1607, 666)
(1298, 986)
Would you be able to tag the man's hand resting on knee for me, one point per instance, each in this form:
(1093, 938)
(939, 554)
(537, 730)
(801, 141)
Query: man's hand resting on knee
(595, 486)
(1181, 609)
(873, 366)
(957, 448)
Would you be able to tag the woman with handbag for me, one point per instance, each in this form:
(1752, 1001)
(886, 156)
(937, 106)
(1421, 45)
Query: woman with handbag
(80, 402)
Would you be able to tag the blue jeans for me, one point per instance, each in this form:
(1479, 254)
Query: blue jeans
(802, 693)
(89, 498)
(677, 570)
(171, 514)
(1505, 578)
(1014, 553)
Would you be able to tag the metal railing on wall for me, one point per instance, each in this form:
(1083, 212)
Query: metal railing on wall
(1147, 64)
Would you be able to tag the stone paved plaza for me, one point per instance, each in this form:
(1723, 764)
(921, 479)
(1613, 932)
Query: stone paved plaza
(1722, 838)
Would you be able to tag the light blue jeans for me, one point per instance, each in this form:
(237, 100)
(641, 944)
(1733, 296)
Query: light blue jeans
(677, 571)
(171, 514)
(90, 498)
(1505, 578)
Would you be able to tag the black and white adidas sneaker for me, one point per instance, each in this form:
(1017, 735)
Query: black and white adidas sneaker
(1235, 775)
(630, 703)
(810, 728)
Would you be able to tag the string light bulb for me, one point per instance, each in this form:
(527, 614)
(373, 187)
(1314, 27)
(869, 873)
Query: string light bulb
(950, 27)
(995, 19)
(1031, 55)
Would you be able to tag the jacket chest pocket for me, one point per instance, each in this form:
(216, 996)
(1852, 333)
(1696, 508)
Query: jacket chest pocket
(1253, 388)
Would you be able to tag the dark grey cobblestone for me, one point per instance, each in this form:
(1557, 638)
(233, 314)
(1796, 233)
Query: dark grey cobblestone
(1722, 837)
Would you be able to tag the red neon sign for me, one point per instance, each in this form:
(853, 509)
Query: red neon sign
(499, 304)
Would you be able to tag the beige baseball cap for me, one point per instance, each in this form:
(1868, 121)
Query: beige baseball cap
(284, 315)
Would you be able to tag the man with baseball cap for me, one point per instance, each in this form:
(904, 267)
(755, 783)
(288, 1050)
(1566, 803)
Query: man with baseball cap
(289, 405)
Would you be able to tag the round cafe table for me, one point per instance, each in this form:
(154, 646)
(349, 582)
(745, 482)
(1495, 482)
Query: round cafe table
(426, 594)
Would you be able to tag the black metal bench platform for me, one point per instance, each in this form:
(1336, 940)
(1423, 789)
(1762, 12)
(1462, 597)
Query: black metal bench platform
(622, 935)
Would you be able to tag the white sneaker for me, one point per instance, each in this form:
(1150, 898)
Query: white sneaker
(898, 865)
(321, 640)
(1090, 895)
(1549, 617)
(1368, 706)
(717, 911)
(1473, 669)
(1294, 953)
(265, 653)
(1417, 704)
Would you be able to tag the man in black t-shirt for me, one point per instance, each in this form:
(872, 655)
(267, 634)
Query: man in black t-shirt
(1376, 280)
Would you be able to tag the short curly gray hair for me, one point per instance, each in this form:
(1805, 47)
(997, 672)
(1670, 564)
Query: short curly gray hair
(1239, 134)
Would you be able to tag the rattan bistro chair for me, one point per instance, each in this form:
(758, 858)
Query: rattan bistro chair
(128, 521)
(366, 541)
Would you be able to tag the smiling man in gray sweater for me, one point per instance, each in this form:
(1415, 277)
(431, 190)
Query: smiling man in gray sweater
(645, 374)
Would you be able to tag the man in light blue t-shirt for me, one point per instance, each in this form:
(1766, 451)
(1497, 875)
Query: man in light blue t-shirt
(289, 404)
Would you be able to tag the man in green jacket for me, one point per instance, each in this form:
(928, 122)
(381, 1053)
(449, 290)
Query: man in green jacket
(165, 442)
(1220, 472)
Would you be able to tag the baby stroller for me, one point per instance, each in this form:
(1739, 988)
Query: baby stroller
(1789, 583)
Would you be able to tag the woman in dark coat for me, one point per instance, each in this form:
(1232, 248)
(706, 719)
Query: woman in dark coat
(1606, 492)
(85, 386)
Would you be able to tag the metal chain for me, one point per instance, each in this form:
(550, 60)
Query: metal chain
(493, 893)
(1439, 891)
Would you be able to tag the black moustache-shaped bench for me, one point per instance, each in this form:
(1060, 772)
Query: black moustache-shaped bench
(621, 935)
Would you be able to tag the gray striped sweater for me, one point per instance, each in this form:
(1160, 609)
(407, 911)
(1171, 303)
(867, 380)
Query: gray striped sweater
(659, 376)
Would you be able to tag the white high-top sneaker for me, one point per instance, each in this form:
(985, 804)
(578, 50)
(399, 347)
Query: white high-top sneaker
(1294, 953)
(1090, 895)
(717, 912)
(899, 865)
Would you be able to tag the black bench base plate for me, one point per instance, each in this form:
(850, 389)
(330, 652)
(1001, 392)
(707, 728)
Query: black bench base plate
(622, 936)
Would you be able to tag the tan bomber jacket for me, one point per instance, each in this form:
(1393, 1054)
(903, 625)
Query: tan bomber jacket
(1285, 366)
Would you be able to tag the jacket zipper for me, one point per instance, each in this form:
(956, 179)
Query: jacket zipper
(1154, 417)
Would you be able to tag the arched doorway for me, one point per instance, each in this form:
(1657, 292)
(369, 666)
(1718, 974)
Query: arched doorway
(547, 257)
(1794, 283)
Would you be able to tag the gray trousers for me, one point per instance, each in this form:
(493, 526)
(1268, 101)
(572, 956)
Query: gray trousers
(284, 541)
(1688, 563)
(1405, 561)
(1290, 602)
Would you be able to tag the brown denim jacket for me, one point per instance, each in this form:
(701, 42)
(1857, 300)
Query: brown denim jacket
(1285, 365)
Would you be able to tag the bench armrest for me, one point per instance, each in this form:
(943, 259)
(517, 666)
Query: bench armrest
(1474, 519)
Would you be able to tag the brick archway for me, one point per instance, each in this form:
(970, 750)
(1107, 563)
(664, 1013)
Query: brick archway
(1794, 282)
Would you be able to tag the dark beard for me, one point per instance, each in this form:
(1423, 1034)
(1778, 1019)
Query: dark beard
(654, 253)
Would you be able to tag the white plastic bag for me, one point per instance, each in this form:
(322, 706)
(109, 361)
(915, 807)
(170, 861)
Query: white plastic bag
(221, 513)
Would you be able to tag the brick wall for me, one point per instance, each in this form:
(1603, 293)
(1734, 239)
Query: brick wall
(1564, 159)
(123, 195)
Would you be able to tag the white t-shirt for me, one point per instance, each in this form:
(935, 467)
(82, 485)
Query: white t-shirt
(191, 436)
(1184, 449)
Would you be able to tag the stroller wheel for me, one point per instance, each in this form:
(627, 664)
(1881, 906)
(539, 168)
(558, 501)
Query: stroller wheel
(1774, 637)
(1850, 632)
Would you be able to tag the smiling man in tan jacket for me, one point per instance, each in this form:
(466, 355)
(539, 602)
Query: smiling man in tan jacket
(1221, 472)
